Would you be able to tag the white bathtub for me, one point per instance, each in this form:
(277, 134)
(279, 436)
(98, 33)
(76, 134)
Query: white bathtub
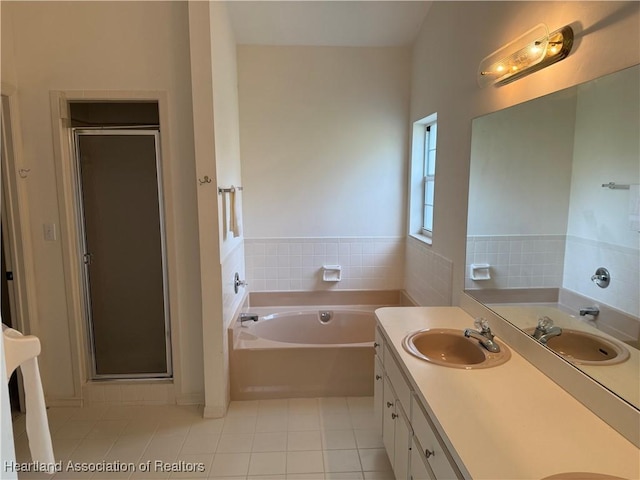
(298, 352)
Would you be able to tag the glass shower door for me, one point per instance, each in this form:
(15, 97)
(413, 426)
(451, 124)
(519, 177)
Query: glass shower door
(120, 198)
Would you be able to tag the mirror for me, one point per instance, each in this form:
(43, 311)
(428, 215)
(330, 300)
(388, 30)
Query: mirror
(553, 198)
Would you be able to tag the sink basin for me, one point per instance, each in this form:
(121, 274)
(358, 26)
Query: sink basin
(585, 348)
(582, 476)
(450, 348)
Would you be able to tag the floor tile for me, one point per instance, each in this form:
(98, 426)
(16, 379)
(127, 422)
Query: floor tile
(197, 442)
(344, 476)
(273, 407)
(239, 425)
(374, 460)
(338, 440)
(107, 428)
(243, 408)
(342, 461)
(230, 465)
(193, 466)
(369, 438)
(306, 421)
(271, 423)
(335, 421)
(270, 442)
(282, 439)
(235, 443)
(74, 429)
(334, 405)
(304, 440)
(267, 463)
(304, 462)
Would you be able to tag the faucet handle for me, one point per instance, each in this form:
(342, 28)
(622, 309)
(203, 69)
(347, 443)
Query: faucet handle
(545, 323)
(482, 324)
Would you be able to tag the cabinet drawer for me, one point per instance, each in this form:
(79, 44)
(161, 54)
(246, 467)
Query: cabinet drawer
(420, 469)
(431, 446)
(400, 384)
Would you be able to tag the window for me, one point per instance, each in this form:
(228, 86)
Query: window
(423, 178)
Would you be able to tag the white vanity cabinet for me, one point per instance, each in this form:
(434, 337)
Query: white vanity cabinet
(390, 414)
(413, 447)
(430, 446)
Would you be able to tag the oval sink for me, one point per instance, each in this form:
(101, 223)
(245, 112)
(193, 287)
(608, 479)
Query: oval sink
(582, 476)
(450, 348)
(585, 348)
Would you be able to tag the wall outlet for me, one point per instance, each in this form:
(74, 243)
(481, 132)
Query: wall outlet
(49, 232)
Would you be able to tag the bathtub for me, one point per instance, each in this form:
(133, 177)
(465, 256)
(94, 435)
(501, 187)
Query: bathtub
(311, 351)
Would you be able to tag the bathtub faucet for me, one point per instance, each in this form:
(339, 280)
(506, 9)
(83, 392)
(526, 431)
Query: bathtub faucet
(589, 311)
(248, 317)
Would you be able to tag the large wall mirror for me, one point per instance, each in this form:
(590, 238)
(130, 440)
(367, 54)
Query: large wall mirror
(553, 242)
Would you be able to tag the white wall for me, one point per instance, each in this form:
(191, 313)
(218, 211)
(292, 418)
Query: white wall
(452, 42)
(216, 136)
(324, 135)
(104, 46)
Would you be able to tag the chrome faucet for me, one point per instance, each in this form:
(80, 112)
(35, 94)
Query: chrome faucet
(589, 311)
(545, 330)
(483, 335)
(248, 317)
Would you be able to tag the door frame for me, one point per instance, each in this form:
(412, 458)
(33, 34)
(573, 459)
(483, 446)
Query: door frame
(16, 221)
(118, 131)
(71, 250)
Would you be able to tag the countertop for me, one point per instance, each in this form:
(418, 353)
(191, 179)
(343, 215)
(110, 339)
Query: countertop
(507, 422)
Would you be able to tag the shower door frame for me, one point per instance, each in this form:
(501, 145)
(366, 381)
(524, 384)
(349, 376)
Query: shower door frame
(76, 133)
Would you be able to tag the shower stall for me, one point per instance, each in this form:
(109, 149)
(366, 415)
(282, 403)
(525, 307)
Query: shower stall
(122, 240)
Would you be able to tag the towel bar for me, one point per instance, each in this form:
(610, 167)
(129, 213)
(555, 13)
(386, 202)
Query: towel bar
(228, 190)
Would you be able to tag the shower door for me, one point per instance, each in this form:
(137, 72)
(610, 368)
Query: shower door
(123, 246)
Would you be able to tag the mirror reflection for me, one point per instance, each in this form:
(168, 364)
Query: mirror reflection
(554, 216)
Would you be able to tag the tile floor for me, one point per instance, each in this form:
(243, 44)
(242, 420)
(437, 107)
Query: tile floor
(288, 439)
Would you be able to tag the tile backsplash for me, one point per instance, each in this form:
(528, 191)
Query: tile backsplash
(429, 276)
(584, 256)
(517, 261)
(295, 264)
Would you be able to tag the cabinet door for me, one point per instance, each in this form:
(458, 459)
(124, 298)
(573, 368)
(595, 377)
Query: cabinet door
(389, 419)
(378, 393)
(436, 454)
(419, 467)
(401, 447)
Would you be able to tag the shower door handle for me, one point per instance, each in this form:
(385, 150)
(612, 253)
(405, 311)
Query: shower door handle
(87, 258)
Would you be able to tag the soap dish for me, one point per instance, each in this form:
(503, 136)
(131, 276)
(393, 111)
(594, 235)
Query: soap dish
(331, 273)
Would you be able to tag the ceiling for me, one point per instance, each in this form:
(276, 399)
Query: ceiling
(362, 23)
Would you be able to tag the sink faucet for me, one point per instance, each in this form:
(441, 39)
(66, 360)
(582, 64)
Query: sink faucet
(248, 317)
(545, 330)
(483, 335)
(589, 311)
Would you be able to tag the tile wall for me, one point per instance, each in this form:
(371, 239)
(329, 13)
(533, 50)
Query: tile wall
(429, 276)
(295, 264)
(517, 261)
(584, 256)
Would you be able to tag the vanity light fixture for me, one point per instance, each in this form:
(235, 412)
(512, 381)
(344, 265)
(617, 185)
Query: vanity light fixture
(532, 51)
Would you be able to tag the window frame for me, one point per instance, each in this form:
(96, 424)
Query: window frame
(424, 140)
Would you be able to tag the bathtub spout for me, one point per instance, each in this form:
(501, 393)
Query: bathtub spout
(248, 317)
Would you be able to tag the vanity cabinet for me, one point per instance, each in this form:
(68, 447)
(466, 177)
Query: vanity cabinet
(430, 446)
(412, 444)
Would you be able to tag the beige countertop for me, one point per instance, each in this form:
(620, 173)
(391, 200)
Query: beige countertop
(623, 378)
(510, 421)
